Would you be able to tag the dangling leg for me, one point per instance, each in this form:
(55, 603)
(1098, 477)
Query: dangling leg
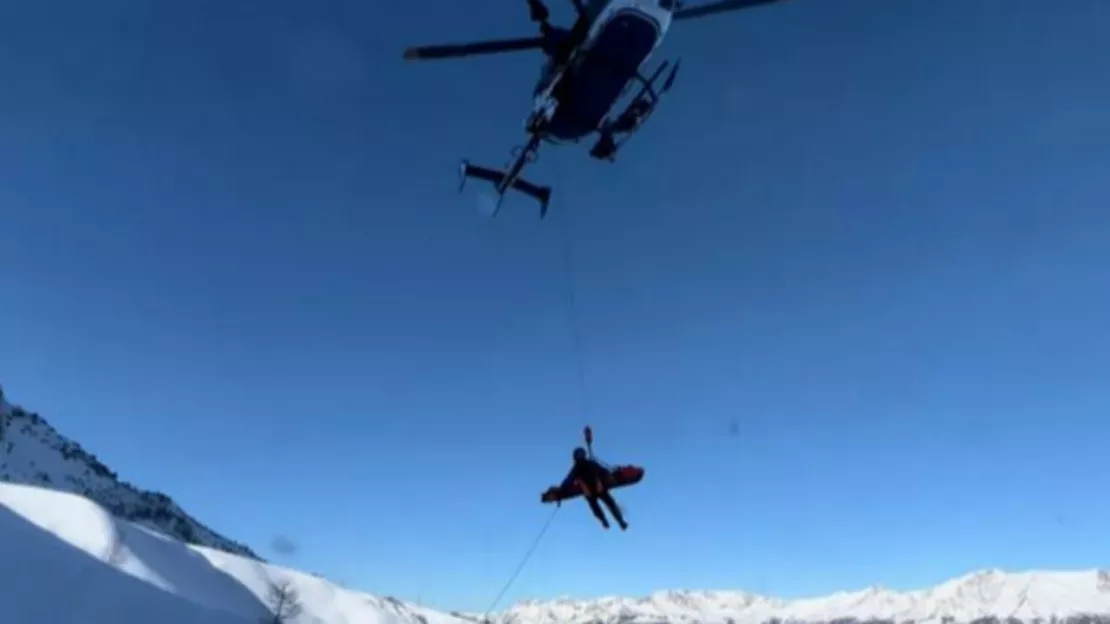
(614, 509)
(598, 513)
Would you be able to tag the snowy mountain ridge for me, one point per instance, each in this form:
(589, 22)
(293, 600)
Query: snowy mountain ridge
(984, 597)
(83, 547)
(67, 559)
(32, 452)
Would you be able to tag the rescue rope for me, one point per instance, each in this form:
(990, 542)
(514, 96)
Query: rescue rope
(576, 337)
(572, 296)
(520, 566)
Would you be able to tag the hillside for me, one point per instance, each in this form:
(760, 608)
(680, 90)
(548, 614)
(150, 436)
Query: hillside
(80, 565)
(34, 453)
(79, 545)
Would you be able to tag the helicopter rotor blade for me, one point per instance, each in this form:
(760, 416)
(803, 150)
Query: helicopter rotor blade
(713, 8)
(457, 50)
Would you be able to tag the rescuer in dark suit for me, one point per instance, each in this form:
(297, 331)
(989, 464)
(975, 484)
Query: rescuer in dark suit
(591, 479)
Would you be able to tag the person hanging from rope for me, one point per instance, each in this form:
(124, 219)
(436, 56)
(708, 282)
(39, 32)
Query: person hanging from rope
(592, 480)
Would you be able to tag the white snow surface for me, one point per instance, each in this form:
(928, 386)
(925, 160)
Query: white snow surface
(67, 560)
(34, 453)
(79, 546)
(1023, 596)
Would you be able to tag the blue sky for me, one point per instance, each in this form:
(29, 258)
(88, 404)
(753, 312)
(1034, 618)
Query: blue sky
(845, 297)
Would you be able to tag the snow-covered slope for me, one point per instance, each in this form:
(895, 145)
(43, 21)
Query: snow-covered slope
(988, 596)
(79, 546)
(34, 453)
(66, 559)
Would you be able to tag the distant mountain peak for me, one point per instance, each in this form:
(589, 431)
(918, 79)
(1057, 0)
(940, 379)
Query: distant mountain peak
(32, 452)
(990, 596)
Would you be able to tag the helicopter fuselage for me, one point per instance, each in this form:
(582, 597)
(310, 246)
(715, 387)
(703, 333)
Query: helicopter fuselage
(622, 37)
(590, 68)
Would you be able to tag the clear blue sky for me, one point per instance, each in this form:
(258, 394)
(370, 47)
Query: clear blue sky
(846, 297)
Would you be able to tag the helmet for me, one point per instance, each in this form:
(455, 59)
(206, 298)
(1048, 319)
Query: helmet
(579, 454)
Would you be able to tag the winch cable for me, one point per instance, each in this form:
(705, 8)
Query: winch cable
(576, 337)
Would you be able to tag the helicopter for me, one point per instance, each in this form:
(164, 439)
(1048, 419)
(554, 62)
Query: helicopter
(588, 68)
